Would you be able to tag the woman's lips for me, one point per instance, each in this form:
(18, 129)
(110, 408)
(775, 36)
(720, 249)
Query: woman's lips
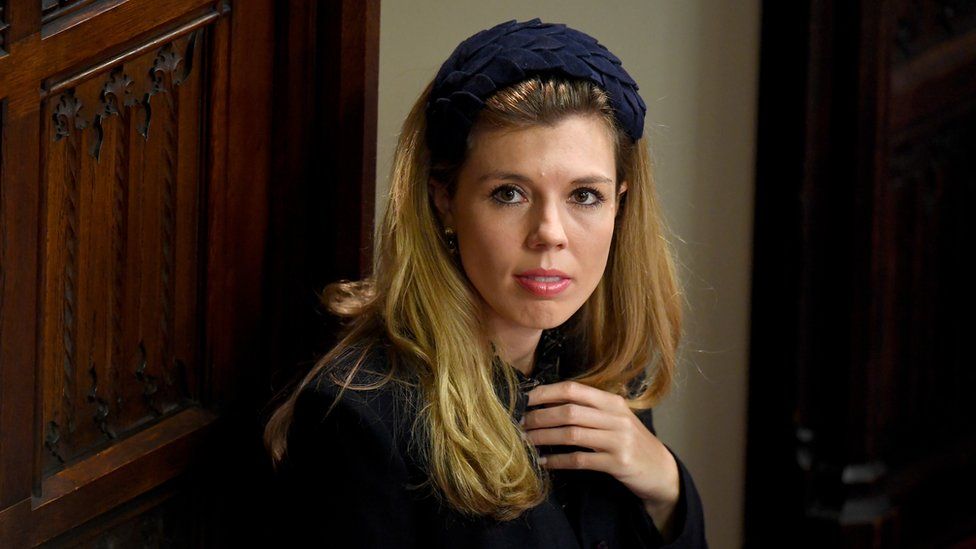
(543, 286)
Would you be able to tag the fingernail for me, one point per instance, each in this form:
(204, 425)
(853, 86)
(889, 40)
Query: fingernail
(543, 460)
(522, 420)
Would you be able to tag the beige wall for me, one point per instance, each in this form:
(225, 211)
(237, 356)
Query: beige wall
(696, 62)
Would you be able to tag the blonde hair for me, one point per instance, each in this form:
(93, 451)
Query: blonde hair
(420, 300)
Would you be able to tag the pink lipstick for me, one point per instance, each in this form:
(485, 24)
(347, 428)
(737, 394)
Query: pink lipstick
(544, 282)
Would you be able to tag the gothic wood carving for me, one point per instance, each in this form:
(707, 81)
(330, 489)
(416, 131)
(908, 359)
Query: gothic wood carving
(126, 319)
(121, 296)
(154, 262)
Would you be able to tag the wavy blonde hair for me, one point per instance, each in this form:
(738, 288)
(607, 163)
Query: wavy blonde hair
(420, 300)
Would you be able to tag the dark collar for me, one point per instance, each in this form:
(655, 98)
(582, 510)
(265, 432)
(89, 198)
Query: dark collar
(546, 370)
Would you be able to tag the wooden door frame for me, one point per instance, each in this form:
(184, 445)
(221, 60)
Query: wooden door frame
(324, 174)
(816, 164)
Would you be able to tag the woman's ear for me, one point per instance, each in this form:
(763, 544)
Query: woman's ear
(442, 201)
(621, 195)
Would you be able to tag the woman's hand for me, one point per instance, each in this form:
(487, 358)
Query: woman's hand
(585, 416)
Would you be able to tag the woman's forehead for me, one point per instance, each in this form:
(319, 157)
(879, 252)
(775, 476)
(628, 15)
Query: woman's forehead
(575, 148)
(516, 177)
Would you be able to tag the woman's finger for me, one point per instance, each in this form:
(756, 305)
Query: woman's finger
(573, 435)
(594, 461)
(571, 414)
(574, 391)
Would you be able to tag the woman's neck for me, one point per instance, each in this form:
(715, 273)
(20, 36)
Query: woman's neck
(516, 345)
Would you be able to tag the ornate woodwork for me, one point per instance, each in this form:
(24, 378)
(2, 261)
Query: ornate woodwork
(119, 347)
(157, 276)
(119, 339)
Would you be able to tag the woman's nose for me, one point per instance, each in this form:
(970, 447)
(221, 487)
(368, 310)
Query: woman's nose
(547, 230)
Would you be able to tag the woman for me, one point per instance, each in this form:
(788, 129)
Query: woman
(495, 384)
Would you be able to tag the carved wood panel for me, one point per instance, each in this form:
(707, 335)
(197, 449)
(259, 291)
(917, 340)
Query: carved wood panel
(122, 186)
(129, 293)
(146, 289)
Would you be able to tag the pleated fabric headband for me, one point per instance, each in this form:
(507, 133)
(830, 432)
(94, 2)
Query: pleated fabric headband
(511, 52)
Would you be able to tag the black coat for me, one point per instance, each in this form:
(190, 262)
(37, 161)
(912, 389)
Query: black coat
(345, 481)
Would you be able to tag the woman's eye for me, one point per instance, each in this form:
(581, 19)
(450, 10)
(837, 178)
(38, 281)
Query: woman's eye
(506, 195)
(588, 197)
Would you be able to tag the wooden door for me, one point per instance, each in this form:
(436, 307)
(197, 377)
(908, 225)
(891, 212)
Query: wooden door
(133, 180)
(861, 418)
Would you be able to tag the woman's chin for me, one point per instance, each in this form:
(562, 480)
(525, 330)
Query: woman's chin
(546, 320)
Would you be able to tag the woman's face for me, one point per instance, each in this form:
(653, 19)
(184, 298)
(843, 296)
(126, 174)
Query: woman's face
(529, 199)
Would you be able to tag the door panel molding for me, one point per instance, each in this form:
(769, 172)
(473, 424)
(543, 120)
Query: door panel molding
(114, 476)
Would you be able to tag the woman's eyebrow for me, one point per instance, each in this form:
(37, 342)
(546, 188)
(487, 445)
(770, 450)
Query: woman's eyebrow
(593, 180)
(519, 178)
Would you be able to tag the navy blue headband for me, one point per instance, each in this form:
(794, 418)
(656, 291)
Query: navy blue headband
(509, 53)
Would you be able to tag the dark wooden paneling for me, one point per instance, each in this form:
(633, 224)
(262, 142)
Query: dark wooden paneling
(3, 26)
(131, 258)
(860, 430)
(54, 9)
(119, 334)
(24, 19)
(776, 449)
(168, 516)
(108, 202)
(324, 180)
(924, 25)
(157, 271)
